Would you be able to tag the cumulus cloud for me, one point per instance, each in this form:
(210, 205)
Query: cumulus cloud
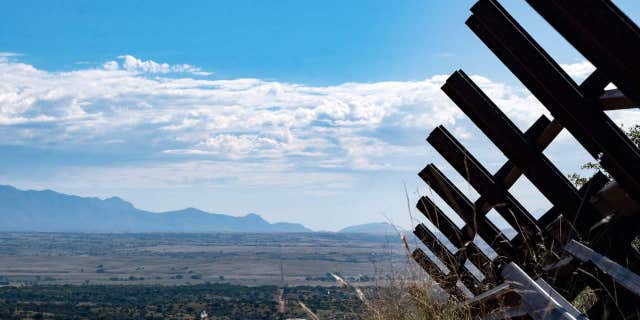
(135, 65)
(128, 103)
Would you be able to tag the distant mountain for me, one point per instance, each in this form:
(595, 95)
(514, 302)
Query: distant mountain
(51, 211)
(373, 228)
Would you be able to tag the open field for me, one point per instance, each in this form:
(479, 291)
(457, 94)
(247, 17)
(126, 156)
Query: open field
(178, 259)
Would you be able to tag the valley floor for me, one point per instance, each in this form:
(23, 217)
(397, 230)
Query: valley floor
(182, 259)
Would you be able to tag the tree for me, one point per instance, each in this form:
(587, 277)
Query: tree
(633, 133)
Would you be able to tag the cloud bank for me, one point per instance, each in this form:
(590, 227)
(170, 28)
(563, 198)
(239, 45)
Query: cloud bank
(267, 128)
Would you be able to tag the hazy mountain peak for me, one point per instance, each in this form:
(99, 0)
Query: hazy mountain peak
(374, 228)
(253, 217)
(187, 210)
(118, 201)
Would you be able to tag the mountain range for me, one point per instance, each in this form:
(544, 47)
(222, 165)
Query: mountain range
(50, 211)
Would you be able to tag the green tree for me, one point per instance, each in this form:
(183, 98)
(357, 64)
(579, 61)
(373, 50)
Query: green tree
(579, 180)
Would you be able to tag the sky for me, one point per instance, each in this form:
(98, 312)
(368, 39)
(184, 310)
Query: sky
(300, 111)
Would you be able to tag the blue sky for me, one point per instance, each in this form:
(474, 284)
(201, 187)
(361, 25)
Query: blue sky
(313, 112)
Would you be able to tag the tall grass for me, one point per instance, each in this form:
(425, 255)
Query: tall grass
(405, 293)
(414, 300)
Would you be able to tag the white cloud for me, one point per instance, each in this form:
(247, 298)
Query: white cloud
(243, 122)
(235, 119)
(135, 65)
(111, 65)
(366, 153)
(579, 70)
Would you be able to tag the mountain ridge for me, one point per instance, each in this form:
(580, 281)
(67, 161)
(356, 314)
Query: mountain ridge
(52, 211)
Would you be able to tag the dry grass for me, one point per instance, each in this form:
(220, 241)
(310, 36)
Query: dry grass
(415, 301)
(585, 300)
(406, 294)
